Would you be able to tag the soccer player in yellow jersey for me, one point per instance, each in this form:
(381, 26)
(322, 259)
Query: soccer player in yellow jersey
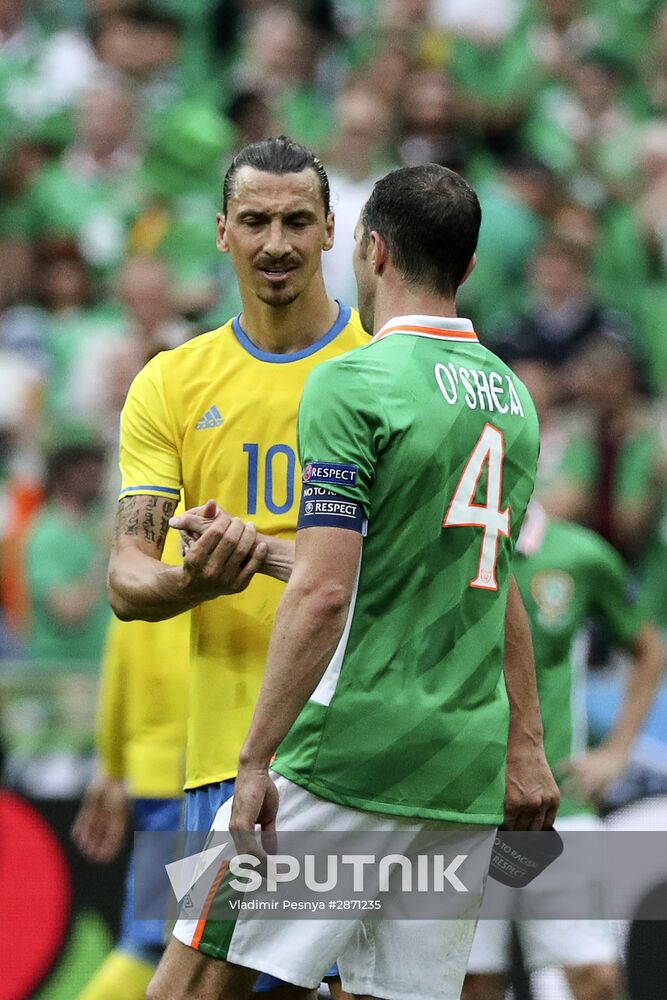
(141, 725)
(216, 418)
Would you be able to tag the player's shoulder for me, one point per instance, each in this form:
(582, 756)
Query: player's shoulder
(171, 371)
(582, 543)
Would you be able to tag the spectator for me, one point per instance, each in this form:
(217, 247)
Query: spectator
(182, 179)
(105, 368)
(413, 21)
(20, 38)
(360, 153)
(585, 130)
(517, 204)
(563, 473)
(612, 241)
(250, 114)
(90, 192)
(429, 125)
(386, 70)
(563, 314)
(65, 563)
(280, 61)
(142, 43)
(627, 466)
(70, 318)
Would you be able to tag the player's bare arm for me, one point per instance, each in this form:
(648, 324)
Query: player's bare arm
(593, 772)
(308, 626)
(531, 796)
(192, 523)
(140, 586)
(101, 823)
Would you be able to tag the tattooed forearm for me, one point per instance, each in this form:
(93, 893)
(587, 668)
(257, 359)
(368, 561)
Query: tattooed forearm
(127, 521)
(140, 585)
(147, 517)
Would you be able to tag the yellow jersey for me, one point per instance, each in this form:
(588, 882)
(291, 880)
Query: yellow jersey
(143, 703)
(216, 417)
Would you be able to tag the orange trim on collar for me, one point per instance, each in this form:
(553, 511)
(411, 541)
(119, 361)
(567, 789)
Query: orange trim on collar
(430, 331)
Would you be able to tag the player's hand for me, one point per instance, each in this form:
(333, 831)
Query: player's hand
(99, 828)
(224, 559)
(255, 802)
(193, 522)
(531, 792)
(589, 776)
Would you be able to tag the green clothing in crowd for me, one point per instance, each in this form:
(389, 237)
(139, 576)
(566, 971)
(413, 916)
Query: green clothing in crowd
(62, 550)
(568, 575)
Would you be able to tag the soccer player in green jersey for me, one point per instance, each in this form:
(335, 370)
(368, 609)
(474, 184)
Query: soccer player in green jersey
(568, 575)
(399, 690)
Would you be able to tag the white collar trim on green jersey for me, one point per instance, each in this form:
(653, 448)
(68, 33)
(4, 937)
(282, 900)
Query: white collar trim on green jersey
(533, 529)
(433, 327)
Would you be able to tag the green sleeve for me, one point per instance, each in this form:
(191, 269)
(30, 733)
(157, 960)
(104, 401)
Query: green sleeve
(340, 425)
(614, 594)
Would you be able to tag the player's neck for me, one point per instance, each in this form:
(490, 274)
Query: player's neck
(290, 328)
(402, 301)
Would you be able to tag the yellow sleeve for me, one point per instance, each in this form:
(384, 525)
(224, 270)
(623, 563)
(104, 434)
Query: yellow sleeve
(111, 721)
(150, 462)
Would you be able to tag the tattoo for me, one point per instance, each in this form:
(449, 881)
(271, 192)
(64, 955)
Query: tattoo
(164, 509)
(145, 512)
(168, 508)
(127, 522)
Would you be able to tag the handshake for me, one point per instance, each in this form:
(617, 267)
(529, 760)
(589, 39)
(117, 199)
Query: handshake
(221, 553)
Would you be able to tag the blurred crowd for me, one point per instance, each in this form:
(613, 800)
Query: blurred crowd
(117, 120)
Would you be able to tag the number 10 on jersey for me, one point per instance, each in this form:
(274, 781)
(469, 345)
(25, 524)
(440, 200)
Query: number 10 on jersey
(463, 512)
(279, 465)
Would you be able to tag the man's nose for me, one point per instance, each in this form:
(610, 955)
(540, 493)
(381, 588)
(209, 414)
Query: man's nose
(277, 243)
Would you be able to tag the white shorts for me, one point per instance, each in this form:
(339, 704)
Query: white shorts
(546, 942)
(396, 959)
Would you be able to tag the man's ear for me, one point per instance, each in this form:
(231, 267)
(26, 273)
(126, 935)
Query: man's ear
(379, 252)
(330, 232)
(469, 269)
(221, 238)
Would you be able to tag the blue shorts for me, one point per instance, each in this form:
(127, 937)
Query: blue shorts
(201, 804)
(145, 939)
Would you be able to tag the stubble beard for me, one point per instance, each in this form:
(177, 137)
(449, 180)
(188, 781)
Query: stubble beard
(278, 299)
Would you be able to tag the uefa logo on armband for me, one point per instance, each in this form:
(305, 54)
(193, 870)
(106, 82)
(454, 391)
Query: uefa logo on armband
(308, 472)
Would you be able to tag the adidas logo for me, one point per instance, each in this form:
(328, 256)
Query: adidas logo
(212, 418)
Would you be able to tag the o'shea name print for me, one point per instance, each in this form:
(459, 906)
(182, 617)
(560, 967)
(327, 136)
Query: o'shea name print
(479, 389)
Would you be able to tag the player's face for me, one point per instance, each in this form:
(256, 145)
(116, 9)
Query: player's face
(365, 278)
(275, 231)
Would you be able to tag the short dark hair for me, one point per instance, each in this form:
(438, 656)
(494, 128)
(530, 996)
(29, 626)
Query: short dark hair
(279, 155)
(66, 457)
(429, 218)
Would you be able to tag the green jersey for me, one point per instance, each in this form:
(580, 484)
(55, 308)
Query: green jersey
(568, 575)
(435, 440)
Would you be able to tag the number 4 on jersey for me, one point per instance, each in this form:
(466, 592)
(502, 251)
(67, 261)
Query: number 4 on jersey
(463, 512)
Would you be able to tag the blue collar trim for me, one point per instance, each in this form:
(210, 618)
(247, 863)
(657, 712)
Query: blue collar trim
(246, 343)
